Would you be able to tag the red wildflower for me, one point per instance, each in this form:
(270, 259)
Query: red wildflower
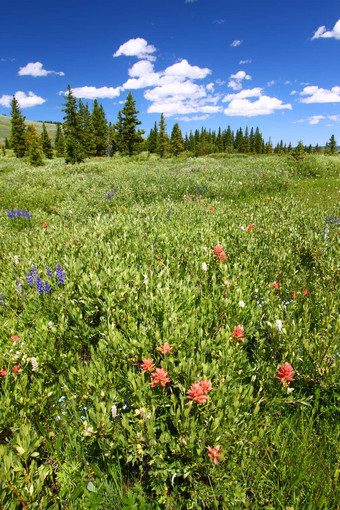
(45, 224)
(285, 373)
(14, 338)
(147, 365)
(211, 208)
(205, 385)
(159, 377)
(166, 348)
(294, 295)
(3, 373)
(218, 249)
(250, 227)
(275, 285)
(213, 453)
(196, 393)
(238, 333)
(306, 291)
(16, 368)
(222, 256)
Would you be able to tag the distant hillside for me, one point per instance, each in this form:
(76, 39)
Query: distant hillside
(5, 127)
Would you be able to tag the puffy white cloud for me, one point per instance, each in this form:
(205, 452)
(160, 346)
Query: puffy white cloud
(138, 47)
(183, 70)
(141, 68)
(271, 83)
(320, 95)
(314, 119)
(210, 87)
(265, 105)
(177, 90)
(236, 43)
(256, 92)
(293, 92)
(94, 92)
(235, 80)
(36, 69)
(322, 32)
(335, 118)
(24, 101)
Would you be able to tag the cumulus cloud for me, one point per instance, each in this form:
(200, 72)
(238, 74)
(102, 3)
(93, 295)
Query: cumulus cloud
(265, 105)
(335, 118)
(321, 32)
(94, 92)
(176, 90)
(195, 117)
(24, 101)
(183, 70)
(320, 95)
(236, 43)
(256, 92)
(235, 80)
(36, 69)
(210, 87)
(313, 120)
(136, 48)
(271, 83)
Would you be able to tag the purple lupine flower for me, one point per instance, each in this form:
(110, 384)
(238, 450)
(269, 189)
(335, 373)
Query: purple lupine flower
(39, 285)
(47, 287)
(33, 271)
(29, 278)
(49, 272)
(19, 284)
(60, 275)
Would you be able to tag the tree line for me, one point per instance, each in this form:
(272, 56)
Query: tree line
(86, 133)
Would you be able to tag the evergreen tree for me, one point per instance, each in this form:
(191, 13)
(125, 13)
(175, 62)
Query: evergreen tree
(35, 154)
(219, 141)
(153, 139)
(45, 142)
(89, 136)
(73, 129)
(228, 140)
(239, 141)
(129, 138)
(112, 140)
(246, 142)
(299, 151)
(74, 151)
(31, 134)
(6, 143)
(99, 124)
(18, 130)
(331, 145)
(258, 142)
(59, 142)
(163, 140)
(269, 147)
(176, 140)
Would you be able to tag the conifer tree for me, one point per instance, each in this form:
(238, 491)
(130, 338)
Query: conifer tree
(35, 154)
(99, 124)
(73, 129)
(18, 130)
(89, 136)
(112, 140)
(31, 134)
(331, 145)
(130, 139)
(163, 140)
(45, 142)
(59, 142)
(176, 140)
(153, 139)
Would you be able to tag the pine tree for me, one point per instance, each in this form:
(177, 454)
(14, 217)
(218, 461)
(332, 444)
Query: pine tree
(89, 135)
(59, 142)
(130, 138)
(246, 141)
(45, 142)
(35, 155)
(99, 124)
(176, 140)
(258, 142)
(219, 141)
(299, 151)
(112, 140)
(153, 139)
(331, 145)
(6, 143)
(18, 130)
(163, 140)
(269, 147)
(73, 129)
(31, 134)
(74, 151)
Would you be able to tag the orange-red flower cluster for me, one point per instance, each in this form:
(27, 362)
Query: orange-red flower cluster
(219, 253)
(159, 377)
(276, 285)
(238, 333)
(198, 391)
(14, 338)
(285, 373)
(147, 365)
(250, 227)
(166, 348)
(214, 453)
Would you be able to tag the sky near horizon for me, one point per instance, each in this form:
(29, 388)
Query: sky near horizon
(210, 63)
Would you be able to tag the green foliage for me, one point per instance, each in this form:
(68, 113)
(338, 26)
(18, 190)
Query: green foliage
(99, 129)
(35, 156)
(74, 151)
(163, 139)
(129, 139)
(81, 426)
(46, 143)
(176, 141)
(59, 142)
(18, 130)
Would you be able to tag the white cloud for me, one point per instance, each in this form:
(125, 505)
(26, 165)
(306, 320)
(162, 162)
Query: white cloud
(335, 118)
(94, 92)
(190, 1)
(136, 48)
(195, 117)
(210, 87)
(141, 68)
(265, 105)
(313, 120)
(320, 95)
(245, 62)
(36, 69)
(183, 70)
(177, 90)
(235, 80)
(287, 82)
(236, 43)
(321, 32)
(271, 83)
(24, 101)
(220, 82)
(256, 92)
(293, 92)
(219, 21)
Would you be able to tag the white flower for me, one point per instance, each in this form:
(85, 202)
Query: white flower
(278, 325)
(241, 304)
(114, 411)
(145, 278)
(204, 267)
(242, 228)
(34, 364)
(50, 324)
(16, 260)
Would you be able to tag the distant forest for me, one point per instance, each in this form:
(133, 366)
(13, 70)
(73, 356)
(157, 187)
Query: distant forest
(86, 133)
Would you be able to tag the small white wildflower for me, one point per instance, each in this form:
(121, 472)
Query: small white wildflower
(242, 228)
(34, 364)
(16, 260)
(241, 304)
(290, 390)
(204, 267)
(145, 278)
(114, 411)
(50, 325)
(278, 325)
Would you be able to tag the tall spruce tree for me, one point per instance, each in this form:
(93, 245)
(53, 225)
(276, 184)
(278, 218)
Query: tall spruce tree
(163, 140)
(130, 139)
(18, 130)
(45, 142)
(176, 140)
(99, 124)
(35, 154)
(153, 139)
(31, 134)
(73, 129)
(59, 142)
(89, 135)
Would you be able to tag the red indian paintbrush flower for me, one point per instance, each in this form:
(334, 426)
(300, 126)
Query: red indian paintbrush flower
(196, 393)
(45, 225)
(147, 365)
(238, 333)
(16, 368)
(285, 373)
(166, 348)
(275, 285)
(205, 385)
(214, 453)
(3, 373)
(222, 256)
(306, 291)
(218, 249)
(14, 338)
(159, 377)
(250, 227)
(294, 295)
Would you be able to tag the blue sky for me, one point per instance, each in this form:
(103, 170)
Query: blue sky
(201, 62)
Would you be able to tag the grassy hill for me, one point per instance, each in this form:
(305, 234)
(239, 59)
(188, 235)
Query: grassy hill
(5, 127)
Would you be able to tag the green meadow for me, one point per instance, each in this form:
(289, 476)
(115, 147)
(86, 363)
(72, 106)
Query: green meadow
(142, 369)
(5, 127)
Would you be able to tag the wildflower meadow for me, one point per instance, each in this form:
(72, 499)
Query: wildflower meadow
(170, 333)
